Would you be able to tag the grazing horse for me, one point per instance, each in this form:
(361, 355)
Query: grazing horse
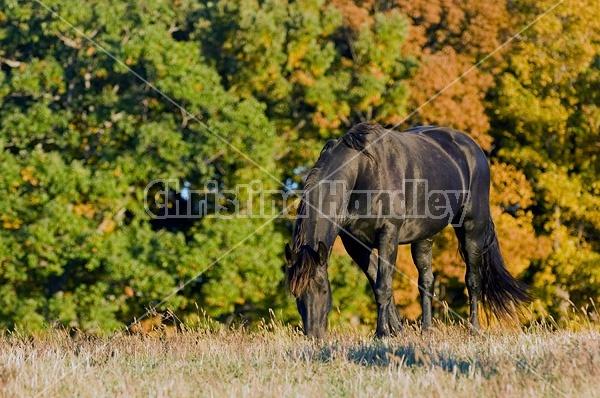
(376, 189)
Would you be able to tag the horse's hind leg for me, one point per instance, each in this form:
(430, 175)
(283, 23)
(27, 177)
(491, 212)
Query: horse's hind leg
(421, 252)
(471, 248)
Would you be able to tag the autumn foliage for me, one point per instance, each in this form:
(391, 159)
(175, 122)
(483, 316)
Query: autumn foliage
(81, 136)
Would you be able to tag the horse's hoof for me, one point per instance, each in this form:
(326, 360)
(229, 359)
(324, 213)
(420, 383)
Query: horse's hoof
(474, 330)
(396, 330)
(382, 334)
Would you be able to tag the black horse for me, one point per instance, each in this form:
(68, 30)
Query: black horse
(377, 189)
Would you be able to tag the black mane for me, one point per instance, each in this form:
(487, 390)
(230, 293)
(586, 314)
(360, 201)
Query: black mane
(358, 137)
(311, 179)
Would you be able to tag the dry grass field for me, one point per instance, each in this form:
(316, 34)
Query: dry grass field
(277, 361)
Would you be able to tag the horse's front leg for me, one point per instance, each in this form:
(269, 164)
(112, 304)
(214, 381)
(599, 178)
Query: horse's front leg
(387, 320)
(421, 252)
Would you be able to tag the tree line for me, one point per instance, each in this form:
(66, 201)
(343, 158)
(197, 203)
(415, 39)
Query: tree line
(235, 92)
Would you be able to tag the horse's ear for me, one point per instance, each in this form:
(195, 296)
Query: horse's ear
(323, 252)
(290, 256)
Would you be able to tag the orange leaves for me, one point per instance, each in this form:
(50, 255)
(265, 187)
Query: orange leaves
(406, 292)
(355, 15)
(518, 241)
(511, 197)
(320, 120)
(461, 104)
(449, 37)
(510, 187)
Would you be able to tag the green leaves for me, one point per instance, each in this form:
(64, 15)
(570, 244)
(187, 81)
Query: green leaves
(81, 136)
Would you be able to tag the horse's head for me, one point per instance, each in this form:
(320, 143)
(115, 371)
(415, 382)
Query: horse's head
(307, 280)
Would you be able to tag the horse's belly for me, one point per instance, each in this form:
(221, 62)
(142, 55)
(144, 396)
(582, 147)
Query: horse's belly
(412, 230)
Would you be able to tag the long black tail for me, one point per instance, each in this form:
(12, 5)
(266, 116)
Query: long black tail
(501, 292)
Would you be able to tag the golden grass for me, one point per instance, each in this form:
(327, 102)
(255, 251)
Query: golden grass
(276, 361)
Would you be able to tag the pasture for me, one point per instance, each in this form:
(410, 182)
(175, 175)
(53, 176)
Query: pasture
(277, 361)
(148, 150)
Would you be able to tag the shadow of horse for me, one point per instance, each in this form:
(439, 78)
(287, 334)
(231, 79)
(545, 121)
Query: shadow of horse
(383, 354)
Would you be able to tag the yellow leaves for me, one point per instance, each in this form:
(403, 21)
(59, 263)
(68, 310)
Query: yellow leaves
(303, 78)
(413, 310)
(84, 209)
(319, 120)
(317, 70)
(128, 290)
(447, 262)
(27, 175)
(369, 101)
(10, 223)
(101, 74)
(347, 63)
(568, 192)
(338, 246)
(546, 276)
(296, 54)
(107, 225)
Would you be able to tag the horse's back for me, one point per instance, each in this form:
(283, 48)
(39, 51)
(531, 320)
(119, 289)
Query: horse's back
(470, 158)
(442, 148)
(446, 137)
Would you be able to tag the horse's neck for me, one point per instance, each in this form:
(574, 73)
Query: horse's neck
(324, 213)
